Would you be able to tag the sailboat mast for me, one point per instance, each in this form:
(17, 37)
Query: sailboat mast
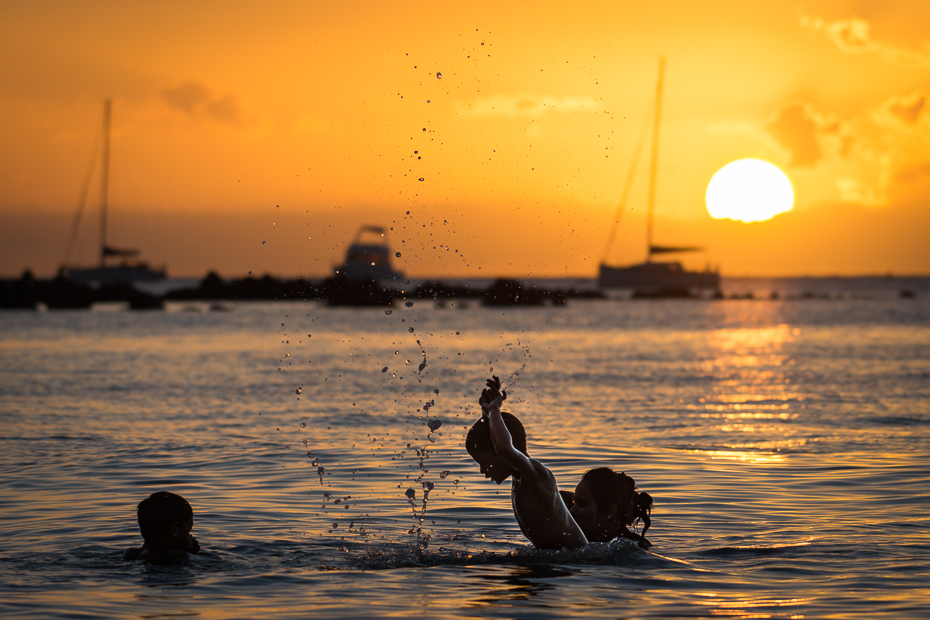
(653, 166)
(104, 182)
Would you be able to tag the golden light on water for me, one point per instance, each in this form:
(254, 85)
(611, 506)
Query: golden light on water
(749, 190)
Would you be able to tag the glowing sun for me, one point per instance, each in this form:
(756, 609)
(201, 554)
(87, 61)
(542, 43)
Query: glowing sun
(749, 190)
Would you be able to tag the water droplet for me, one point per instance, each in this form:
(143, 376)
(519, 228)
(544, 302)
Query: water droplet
(410, 329)
(397, 254)
(250, 273)
(436, 391)
(406, 362)
(427, 101)
(409, 304)
(263, 243)
(298, 390)
(434, 424)
(420, 179)
(438, 75)
(428, 486)
(303, 425)
(384, 369)
(309, 336)
(390, 311)
(411, 494)
(444, 473)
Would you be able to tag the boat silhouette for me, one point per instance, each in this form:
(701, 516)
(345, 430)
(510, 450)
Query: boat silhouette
(368, 258)
(653, 278)
(117, 265)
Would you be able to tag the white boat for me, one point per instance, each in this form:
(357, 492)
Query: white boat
(368, 258)
(653, 276)
(116, 265)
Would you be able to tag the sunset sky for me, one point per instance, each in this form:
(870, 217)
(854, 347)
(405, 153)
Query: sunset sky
(293, 123)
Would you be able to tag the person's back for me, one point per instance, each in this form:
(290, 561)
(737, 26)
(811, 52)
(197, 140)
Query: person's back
(542, 515)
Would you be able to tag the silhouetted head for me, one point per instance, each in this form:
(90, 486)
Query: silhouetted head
(604, 503)
(166, 520)
(481, 448)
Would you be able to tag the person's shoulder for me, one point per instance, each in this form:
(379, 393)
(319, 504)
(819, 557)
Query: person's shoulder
(539, 474)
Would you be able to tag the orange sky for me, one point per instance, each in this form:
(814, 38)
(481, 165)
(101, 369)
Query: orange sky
(295, 122)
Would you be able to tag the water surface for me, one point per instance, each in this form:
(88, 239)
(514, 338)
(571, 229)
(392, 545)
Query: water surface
(785, 442)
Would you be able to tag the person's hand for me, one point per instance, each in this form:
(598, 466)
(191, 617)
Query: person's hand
(492, 397)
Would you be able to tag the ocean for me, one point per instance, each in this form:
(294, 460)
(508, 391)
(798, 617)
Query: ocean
(785, 442)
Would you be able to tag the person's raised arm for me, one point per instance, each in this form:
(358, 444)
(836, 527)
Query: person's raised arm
(490, 402)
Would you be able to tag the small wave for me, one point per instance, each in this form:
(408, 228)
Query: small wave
(896, 421)
(753, 551)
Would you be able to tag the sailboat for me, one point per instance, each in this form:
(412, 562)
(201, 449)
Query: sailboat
(652, 276)
(116, 265)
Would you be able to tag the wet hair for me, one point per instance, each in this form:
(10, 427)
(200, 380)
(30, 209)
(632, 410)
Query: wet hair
(643, 507)
(612, 487)
(479, 435)
(159, 510)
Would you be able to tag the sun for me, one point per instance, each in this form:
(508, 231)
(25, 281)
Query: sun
(749, 190)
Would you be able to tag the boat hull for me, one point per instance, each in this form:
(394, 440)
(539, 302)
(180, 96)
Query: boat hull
(116, 274)
(656, 275)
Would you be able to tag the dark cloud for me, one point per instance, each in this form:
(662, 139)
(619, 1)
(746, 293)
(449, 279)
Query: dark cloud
(914, 174)
(194, 99)
(796, 130)
(908, 110)
(851, 35)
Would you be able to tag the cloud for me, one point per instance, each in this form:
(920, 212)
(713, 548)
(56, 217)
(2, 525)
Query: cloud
(877, 158)
(796, 128)
(853, 36)
(523, 105)
(195, 99)
(907, 109)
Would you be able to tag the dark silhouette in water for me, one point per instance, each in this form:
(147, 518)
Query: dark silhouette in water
(542, 515)
(605, 503)
(506, 292)
(165, 521)
(340, 291)
(667, 292)
(124, 291)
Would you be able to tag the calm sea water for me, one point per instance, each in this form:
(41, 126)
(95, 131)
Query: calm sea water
(785, 442)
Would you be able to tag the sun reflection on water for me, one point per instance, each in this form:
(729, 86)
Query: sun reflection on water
(742, 456)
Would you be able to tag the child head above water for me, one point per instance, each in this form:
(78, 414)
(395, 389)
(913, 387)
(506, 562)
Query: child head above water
(479, 446)
(605, 502)
(165, 521)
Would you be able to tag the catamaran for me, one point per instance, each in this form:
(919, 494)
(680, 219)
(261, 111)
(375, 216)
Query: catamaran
(116, 264)
(653, 276)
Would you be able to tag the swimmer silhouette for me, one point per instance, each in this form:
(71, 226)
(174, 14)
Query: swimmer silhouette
(497, 442)
(165, 521)
(605, 503)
